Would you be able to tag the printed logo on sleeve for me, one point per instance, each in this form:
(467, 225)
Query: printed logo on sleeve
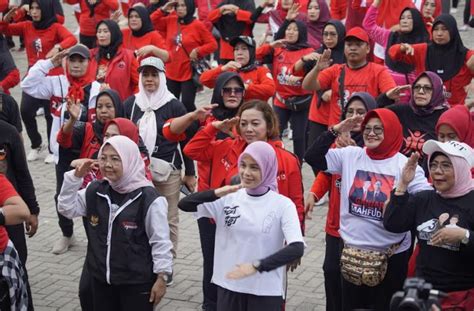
(368, 194)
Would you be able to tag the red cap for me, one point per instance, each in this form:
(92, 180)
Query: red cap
(358, 33)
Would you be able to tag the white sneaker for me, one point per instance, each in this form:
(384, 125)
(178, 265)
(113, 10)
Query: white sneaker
(463, 28)
(49, 158)
(34, 154)
(453, 10)
(62, 245)
(40, 111)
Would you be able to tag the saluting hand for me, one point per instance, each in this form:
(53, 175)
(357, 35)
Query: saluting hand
(9, 16)
(222, 191)
(278, 43)
(226, 126)
(85, 167)
(348, 124)
(57, 58)
(394, 94)
(203, 112)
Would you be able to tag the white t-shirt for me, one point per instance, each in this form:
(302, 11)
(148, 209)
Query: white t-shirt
(250, 228)
(365, 187)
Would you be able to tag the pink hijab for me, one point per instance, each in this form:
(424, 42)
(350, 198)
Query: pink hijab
(463, 182)
(132, 162)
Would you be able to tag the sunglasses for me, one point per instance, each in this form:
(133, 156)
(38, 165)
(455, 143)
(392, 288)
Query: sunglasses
(238, 91)
(376, 129)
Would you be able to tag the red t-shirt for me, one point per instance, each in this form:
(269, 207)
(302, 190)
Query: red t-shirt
(135, 43)
(372, 78)
(6, 191)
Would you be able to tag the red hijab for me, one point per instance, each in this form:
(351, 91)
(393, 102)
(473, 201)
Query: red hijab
(126, 128)
(393, 136)
(460, 120)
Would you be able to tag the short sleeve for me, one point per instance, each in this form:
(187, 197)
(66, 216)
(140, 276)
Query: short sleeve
(334, 159)
(290, 224)
(6, 190)
(326, 77)
(210, 209)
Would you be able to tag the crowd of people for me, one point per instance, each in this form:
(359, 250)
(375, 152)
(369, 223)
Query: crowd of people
(373, 95)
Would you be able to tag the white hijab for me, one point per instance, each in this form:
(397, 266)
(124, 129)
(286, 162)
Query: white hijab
(149, 103)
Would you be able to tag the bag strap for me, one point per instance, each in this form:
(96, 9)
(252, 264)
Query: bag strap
(392, 249)
(342, 76)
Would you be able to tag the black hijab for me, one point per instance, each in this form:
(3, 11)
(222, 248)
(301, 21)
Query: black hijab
(419, 34)
(446, 60)
(250, 43)
(7, 64)
(147, 25)
(48, 14)
(119, 111)
(302, 41)
(228, 25)
(116, 39)
(190, 10)
(337, 52)
(221, 112)
(369, 103)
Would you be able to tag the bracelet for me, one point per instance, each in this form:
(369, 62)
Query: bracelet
(399, 192)
(333, 132)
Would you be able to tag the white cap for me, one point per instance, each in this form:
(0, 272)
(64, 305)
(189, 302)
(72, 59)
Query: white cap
(453, 148)
(154, 62)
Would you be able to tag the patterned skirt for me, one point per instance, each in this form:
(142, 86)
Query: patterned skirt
(14, 275)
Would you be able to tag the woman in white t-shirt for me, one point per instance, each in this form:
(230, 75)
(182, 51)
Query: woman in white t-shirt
(367, 177)
(252, 226)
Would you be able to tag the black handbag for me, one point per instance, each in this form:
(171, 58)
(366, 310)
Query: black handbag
(298, 103)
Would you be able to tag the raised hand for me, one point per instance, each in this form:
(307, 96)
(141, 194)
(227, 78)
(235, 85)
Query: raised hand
(73, 106)
(9, 16)
(169, 6)
(394, 94)
(409, 170)
(85, 167)
(57, 58)
(293, 12)
(222, 191)
(348, 124)
(278, 43)
(202, 112)
(324, 60)
(226, 125)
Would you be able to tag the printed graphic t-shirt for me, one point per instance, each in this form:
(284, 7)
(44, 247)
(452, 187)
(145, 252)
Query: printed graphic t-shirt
(365, 187)
(250, 228)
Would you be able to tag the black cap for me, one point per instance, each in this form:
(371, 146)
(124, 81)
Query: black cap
(245, 39)
(79, 49)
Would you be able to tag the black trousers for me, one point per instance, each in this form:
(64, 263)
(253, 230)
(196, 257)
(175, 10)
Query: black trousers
(66, 224)
(16, 233)
(232, 301)
(185, 90)
(207, 235)
(86, 295)
(332, 273)
(314, 130)
(29, 106)
(89, 41)
(467, 12)
(121, 297)
(378, 297)
(298, 120)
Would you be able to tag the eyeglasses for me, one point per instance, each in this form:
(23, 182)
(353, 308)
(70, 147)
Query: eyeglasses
(376, 129)
(443, 166)
(114, 161)
(329, 34)
(425, 88)
(238, 91)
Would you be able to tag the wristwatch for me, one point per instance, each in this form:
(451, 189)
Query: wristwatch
(465, 240)
(256, 264)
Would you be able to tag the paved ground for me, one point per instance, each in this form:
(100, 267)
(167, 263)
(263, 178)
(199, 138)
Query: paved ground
(55, 278)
